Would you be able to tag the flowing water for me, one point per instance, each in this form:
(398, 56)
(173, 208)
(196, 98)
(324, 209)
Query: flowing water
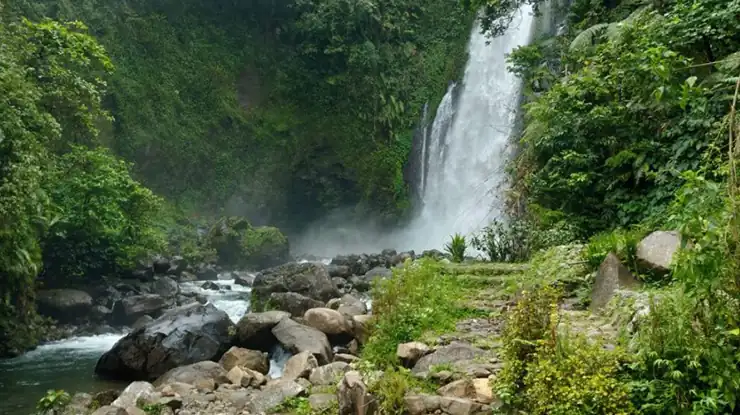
(463, 157)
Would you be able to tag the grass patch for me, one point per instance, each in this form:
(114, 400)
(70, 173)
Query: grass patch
(418, 299)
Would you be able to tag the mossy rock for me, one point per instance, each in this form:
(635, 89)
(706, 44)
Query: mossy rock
(239, 244)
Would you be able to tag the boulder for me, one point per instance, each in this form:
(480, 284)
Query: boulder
(454, 352)
(271, 396)
(178, 265)
(427, 404)
(360, 326)
(250, 359)
(100, 313)
(206, 272)
(328, 321)
(483, 391)
(294, 303)
(655, 253)
(298, 338)
(64, 305)
(321, 402)
(194, 374)
(110, 410)
(353, 396)
(161, 265)
(612, 276)
(309, 279)
(165, 287)
(180, 337)
(300, 366)
(210, 285)
(462, 388)
(245, 377)
(410, 353)
(142, 321)
(254, 330)
(244, 279)
(339, 271)
(239, 244)
(130, 309)
(351, 306)
(378, 273)
(328, 374)
(346, 358)
(186, 276)
(133, 392)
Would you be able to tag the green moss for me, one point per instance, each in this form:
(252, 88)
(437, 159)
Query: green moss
(238, 244)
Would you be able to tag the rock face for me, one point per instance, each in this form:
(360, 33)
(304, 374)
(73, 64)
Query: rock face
(195, 374)
(180, 337)
(250, 359)
(254, 330)
(656, 251)
(451, 353)
(298, 338)
(65, 306)
(294, 303)
(353, 396)
(612, 276)
(130, 309)
(309, 279)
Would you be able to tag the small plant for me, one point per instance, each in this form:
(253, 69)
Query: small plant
(392, 386)
(53, 402)
(457, 247)
(151, 408)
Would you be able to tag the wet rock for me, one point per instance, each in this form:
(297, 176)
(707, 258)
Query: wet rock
(328, 321)
(254, 330)
(165, 287)
(210, 285)
(462, 388)
(64, 305)
(483, 391)
(612, 276)
(410, 353)
(328, 374)
(181, 336)
(294, 303)
(106, 397)
(196, 374)
(206, 273)
(251, 359)
(378, 273)
(161, 265)
(451, 353)
(100, 313)
(133, 392)
(130, 309)
(178, 265)
(110, 410)
(351, 306)
(186, 276)
(655, 253)
(353, 396)
(339, 271)
(79, 404)
(244, 279)
(309, 279)
(298, 338)
(300, 366)
(273, 395)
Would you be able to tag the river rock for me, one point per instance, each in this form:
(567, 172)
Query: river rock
(309, 279)
(462, 388)
(244, 279)
(181, 336)
(300, 366)
(655, 253)
(328, 374)
(64, 305)
(298, 338)
(351, 306)
(293, 303)
(245, 377)
(321, 402)
(339, 271)
(110, 410)
(166, 287)
(100, 313)
(250, 359)
(353, 396)
(328, 321)
(195, 374)
(210, 285)
(271, 396)
(454, 352)
(206, 272)
(129, 309)
(361, 329)
(410, 353)
(161, 265)
(134, 392)
(254, 330)
(612, 276)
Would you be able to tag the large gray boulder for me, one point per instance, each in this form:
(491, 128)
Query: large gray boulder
(272, 395)
(130, 309)
(64, 305)
(297, 338)
(294, 303)
(166, 287)
(194, 374)
(328, 321)
(452, 353)
(353, 396)
(656, 252)
(612, 276)
(309, 279)
(182, 336)
(254, 330)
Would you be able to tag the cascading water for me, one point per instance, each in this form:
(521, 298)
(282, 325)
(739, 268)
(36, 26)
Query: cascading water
(462, 159)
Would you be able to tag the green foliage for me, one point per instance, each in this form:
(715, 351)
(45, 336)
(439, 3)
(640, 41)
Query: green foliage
(457, 247)
(498, 14)
(150, 408)
(576, 376)
(106, 218)
(531, 320)
(518, 239)
(237, 243)
(417, 299)
(392, 386)
(53, 402)
(622, 243)
(302, 406)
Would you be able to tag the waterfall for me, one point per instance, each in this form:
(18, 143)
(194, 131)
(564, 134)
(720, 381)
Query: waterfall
(461, 159)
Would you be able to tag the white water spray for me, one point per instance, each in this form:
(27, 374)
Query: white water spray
(463, 161)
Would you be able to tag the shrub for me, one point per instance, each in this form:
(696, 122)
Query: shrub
(622, 242)
(239, 244)
(518, 239)
(391, 387)
(106, 219)
(457, 247)
(53, 402)
(418, 298)
(575, 377)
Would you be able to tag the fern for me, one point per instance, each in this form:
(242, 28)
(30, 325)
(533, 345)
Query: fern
(612, 31)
